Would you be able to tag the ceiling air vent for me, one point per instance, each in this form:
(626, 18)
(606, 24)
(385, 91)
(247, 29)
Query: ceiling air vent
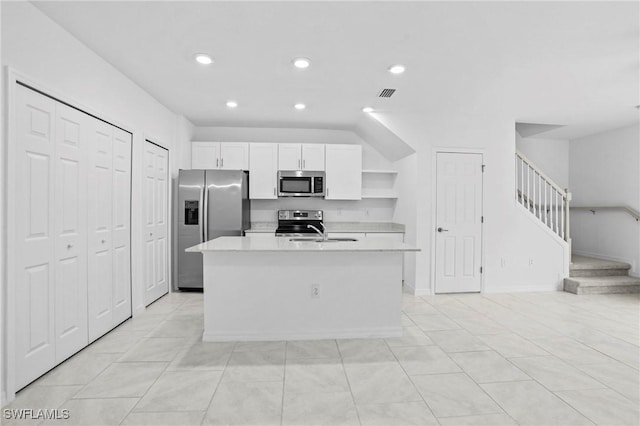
(386, 93)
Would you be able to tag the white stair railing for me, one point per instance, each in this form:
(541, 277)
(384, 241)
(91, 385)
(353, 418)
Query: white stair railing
(545, 199)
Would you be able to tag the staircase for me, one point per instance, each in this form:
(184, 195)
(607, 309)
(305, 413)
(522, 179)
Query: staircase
(596, 276)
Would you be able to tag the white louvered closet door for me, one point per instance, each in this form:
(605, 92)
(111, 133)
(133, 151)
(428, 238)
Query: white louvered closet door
(34, 254)
(156, 160)
(70, 200)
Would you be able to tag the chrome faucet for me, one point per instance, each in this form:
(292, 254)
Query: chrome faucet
(322, 233)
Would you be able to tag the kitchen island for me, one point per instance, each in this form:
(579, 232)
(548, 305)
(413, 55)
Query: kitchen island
(278, 289)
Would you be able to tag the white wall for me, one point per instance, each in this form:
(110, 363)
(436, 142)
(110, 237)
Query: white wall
(605, 171)
(407, 187)
(367, 210)
(519, 255)
(549, 155)
(38, 48)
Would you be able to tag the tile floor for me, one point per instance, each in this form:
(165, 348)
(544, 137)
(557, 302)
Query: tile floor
(535, 359)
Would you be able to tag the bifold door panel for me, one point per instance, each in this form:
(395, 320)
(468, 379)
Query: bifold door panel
(72, 231)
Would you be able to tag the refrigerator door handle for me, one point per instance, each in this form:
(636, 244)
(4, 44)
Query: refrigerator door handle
(201, 216)
(206, 213)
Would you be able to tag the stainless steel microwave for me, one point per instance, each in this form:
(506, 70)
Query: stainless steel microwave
(300, 184)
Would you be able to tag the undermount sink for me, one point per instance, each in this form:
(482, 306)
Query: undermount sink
(320, 240)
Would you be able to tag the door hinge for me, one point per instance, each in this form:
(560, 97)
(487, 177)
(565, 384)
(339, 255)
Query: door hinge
(483, 166)
(481, 219)
(481, 269)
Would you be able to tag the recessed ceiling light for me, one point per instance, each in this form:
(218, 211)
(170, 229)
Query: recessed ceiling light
(300, 106)
(301, 62)
(232, 104)
(367, 109)
(396, 69)
(203, 59)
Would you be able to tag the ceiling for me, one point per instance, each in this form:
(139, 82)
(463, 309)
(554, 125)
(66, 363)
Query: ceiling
(574, 64)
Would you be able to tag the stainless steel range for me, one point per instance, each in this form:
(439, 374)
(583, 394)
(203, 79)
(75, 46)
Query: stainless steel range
(294, 223)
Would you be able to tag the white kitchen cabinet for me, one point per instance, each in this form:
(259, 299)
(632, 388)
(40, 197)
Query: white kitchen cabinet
(220, 155)
(343, 172)
(263, 171)
(296, 156)
(71, 247)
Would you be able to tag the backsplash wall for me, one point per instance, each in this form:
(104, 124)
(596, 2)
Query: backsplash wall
(368, 210)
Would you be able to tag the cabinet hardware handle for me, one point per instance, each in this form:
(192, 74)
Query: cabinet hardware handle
(151, 234)
(69, 246)
(304, 164)
(299, 164)
(217, 163)
(103, 241)
(222, 162)
(274, 190)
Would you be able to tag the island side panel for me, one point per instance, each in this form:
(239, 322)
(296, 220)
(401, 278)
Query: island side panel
(268, 296)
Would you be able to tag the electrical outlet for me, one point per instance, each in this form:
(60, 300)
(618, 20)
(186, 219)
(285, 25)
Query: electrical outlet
(315, 291)
(531, 261)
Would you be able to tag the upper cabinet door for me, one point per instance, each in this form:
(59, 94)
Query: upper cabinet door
(313, 157)
(263, 171)
(289, 156)
(234, 156)
(205, 155)
(343, 172)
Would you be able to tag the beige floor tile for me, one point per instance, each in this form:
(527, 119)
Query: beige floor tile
(603, 406)
(180, 329)
(411, 336)
(418, 308)
(246, 403)
(529, 403)
(457, 341)
(396, 414)
(78, 370)
(123, 380)
(255, 366)
(184, 418)
(312, 349)
(478, 420)
(487, 367)
(315, 376)
(154, 350)
(180, 391)
(260, 346)
(379, 382)
(334, 408)
(454, 395)
(480, 325)
(365, 350)
(203, 356)
(116, 342)
(424, 360)
(555, 374)
(95, 412)
(619, 377)
(511, 345)
(433, 322)
(571, 351)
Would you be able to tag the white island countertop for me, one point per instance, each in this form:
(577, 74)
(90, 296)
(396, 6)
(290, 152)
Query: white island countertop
(283, 244)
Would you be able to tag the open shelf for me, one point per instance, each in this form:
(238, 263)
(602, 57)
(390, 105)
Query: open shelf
(390, 172)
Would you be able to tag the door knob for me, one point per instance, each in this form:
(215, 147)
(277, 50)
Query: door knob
(440, 229)
(103, 241)
(69, 246)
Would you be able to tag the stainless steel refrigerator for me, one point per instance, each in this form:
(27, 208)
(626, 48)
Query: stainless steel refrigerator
(211, 204)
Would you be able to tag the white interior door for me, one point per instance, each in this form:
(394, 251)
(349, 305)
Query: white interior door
(100, 222)
(458, 222)
(121, 234)
(70, 198)
(156, 222)
(34, 256)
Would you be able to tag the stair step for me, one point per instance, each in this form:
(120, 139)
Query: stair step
(602, 285)
(582, 266)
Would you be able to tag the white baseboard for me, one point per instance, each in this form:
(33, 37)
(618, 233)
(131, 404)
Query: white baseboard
(409, 288)
(382, 332)
(138, 310)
